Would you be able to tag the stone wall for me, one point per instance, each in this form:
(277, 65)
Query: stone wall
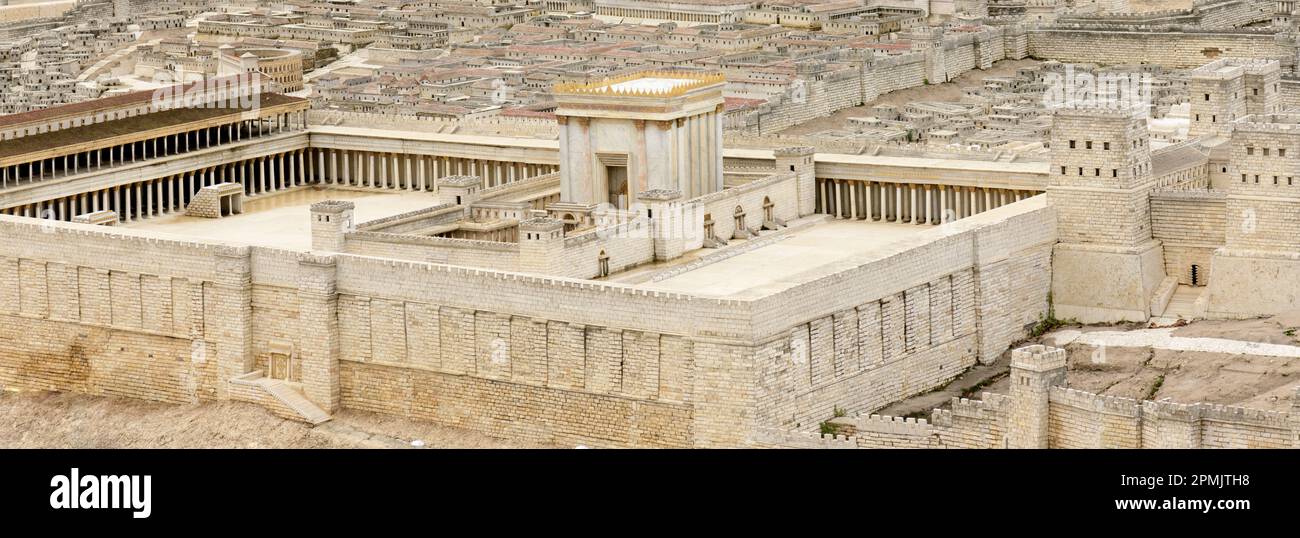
(823, 94)
(1191, 226)
(467, 252)
(1069, 419)
(888, 329)
(79, 314)
(1169, 47)
(542, 358)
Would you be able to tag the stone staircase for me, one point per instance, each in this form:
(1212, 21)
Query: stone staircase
(282, 398)
(1186, 303)
(294, 400)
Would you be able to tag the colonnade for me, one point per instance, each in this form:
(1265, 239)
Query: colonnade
(404, 171)
(171, 194)
(148, 147)
(916, 203)
(273, 173)
(612, 11)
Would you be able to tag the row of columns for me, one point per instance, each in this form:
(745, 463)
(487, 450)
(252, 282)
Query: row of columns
(404, 171)
(909, 202)
(273, 173)
(149, 148)
(163, 196)
(658, 15)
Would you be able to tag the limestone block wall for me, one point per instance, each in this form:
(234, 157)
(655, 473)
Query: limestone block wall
(276, 308)
(1073, 419)
(1083, 420)
(815, 97)
(466, 252)
(1289, 94)
(895, 73)
(781, 189)
(972, 50)
(1252, 283)
(625, 245)
(827, 93)
(546, 359)
(76, 314)
(1186, 48)
(1263, 191)
(1191, 226)
(907, 322)
(1013, 261)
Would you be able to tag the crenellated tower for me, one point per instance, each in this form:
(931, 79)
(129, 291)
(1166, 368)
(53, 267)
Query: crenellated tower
(1107, 265)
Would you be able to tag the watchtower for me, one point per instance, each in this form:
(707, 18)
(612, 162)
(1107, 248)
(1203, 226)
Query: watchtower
(1106, 266)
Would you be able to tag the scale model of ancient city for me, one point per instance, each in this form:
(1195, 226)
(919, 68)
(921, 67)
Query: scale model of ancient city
(650, 223)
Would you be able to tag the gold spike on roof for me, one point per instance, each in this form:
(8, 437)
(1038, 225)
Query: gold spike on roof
(611, 86)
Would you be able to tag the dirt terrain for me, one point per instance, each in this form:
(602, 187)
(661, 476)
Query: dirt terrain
(1249, 363)
(60, 420)
(948, 91)
(1218, 362)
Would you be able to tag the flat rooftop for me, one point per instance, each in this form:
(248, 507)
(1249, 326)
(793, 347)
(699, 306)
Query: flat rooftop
(283, 220)
(651, 84)
(803, 256)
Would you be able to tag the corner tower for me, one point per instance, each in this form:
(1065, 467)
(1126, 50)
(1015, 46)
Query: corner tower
(650, 131)
(1106, 266)
(1217, 94)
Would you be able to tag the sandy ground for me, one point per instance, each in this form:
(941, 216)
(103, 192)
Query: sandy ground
(1205, 361)
(1249, 363)
(948, 91)
(61, 420)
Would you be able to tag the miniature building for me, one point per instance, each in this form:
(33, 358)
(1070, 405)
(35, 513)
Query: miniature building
(216, 201)
(103, 218)
(1099, 182)
(649, 131)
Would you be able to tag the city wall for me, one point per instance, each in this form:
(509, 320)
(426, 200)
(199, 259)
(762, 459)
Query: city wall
(1172, 47)
(884, 330)
(1190, 224)
(1065, 418)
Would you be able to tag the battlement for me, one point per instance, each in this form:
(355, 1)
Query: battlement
(1114, 405)
(794, 151)
(777, 438)
(1102, 108)
(316, 258)
(1268, 123)
(644, 84)
(1254, 66)
(1038, 358)
(460, 181)
(1245, 415)
(332, 206)
(884, 424)
(1168, 410)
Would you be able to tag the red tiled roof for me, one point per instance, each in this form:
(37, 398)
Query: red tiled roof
(524, 113)
(740, 103)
